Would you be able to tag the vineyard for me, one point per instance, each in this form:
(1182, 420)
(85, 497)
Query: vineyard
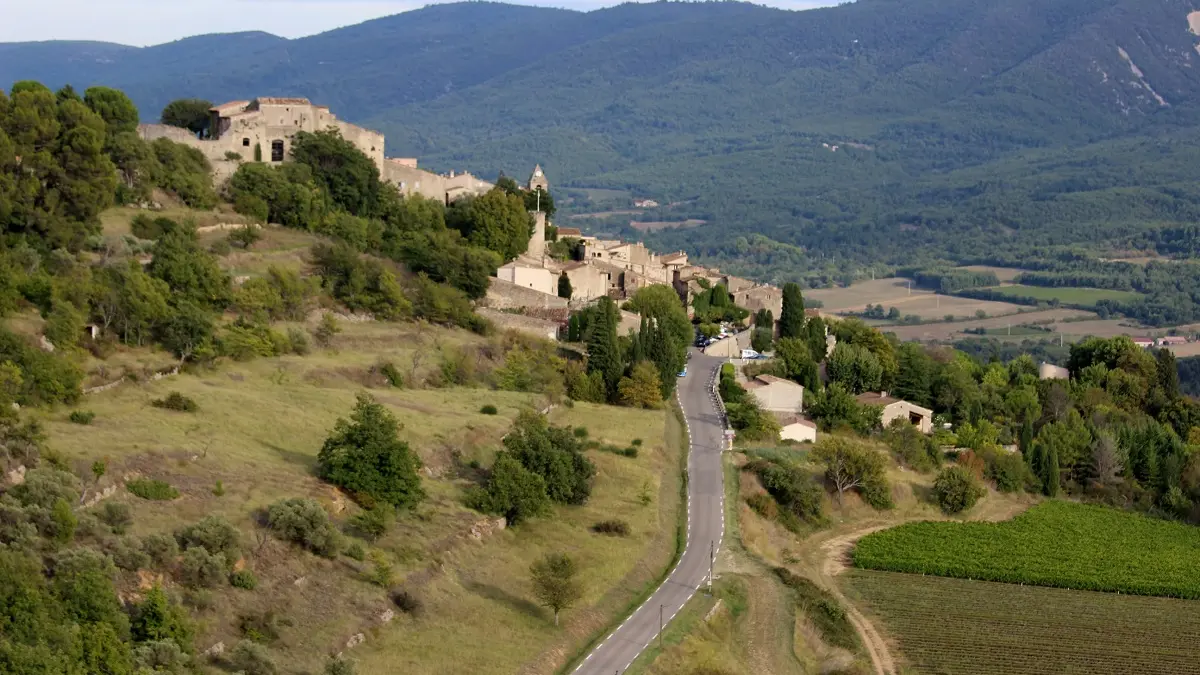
(1060, 544)
(959, 627)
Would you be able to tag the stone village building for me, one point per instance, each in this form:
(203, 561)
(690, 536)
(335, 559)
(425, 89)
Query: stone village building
(264, 129)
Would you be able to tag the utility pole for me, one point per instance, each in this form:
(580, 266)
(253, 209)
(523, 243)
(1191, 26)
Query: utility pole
(660, 627)
(712, 554)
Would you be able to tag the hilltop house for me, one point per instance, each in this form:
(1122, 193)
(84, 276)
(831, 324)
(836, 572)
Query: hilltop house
(776, 394)
(894, 409)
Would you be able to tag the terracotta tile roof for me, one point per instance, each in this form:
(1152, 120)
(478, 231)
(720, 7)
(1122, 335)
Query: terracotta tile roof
(671, 257)
(789, 419)
(569, 232)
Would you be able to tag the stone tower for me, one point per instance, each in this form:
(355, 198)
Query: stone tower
(538, 180)
(537, 242)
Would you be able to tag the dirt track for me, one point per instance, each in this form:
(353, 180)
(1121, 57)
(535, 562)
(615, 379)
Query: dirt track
(835, 561)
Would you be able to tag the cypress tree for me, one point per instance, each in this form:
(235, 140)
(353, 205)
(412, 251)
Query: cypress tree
(1050, 473)
(815, 329)
(1025, 442)
(791, 319)
(564, 286)
(604, 353)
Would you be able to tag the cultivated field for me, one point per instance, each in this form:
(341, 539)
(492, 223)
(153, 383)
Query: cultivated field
(996, 325)
(1057, 543)
(894, 292)
(1004, 274)
(1099, 328)
(958, 627)
(651, 226)
(1068, 295)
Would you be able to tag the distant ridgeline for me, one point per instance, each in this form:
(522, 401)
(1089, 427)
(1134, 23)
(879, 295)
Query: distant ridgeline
(944, 130)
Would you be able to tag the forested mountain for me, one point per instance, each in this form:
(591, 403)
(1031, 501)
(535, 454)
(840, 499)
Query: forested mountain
(963, 128)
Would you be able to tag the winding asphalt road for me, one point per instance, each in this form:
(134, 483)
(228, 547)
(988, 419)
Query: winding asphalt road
(705, 526)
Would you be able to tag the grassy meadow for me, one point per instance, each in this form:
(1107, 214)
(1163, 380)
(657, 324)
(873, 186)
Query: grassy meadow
(1066, 295)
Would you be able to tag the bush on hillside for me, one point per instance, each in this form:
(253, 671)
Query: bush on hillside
(243, 579)
(200, 569)
(617, 528)
(116, 515)
(489, 409)
(176, 401)
(82, 416)
(957, 489)
(304, 522)
(252, 659)
(154, 490)
(365, 456)
(406, 601)
(371, 524)
(215, 535)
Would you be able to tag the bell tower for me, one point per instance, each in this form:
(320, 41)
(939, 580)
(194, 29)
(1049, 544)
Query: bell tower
(538, 181)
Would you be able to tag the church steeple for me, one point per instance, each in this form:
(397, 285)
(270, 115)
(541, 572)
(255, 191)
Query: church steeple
(538, 181)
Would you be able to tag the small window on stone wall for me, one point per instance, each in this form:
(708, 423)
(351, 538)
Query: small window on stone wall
(276, 151)
(245, 142)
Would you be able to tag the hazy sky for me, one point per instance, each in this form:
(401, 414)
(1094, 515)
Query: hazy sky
(147, 22)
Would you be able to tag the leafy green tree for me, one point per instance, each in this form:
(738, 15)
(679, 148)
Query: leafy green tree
(190, 272)
(512, 491)
(495, 221)
(554, 454)
(361, 283)
(791, 319)
(856, 368)
(797, 363)
(851, 465)
(304, 522)
(956, 489)
(836, 407)
(642, 388)
(914, 382)
(564, 286)
(1050, 471)
(365, 456)
(186, 172)
(102, 652)
(188, 113)
(349, 177)
(83, 584)
(117, 110)
(156, 618)
(64, 325)
(761, 340)
(818, 343)
(555, 582)
(137, 166)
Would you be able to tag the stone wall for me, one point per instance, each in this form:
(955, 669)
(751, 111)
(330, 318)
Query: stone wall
(505, 295)
(529, 325)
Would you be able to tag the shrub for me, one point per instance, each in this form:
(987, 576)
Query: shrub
(304, 522)
(511, 491)
(261, 627)
(339, 666)
(372, 523)
(957, 489)
(406, 601)
(220, 247)
(246, 236)
(489, 410)
(243, 579)
(391, 373)
(157, 618)
(219, 489)
(637, 443)
(200, 569)
(61, 527)
(793, 490)
(252, 659)
(618, 528)
(116, 515)
(161, 548)
(233, 156)
(763, 505)
(44, 486)
(154, 490)
(215, 535)
(160, 656)
(298, 339)
(1008, 470)
(176, 401)
(82, 416)
(356, 552)
(580, 432)
(381, 569)
(127, 554)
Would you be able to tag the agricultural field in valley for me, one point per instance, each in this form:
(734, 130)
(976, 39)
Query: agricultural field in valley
(959, 627)
(1065, 294)
(1004, 274)
(894, 292)
(996, 325)
(1057, 543)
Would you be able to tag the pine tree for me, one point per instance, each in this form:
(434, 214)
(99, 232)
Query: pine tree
(791, 319)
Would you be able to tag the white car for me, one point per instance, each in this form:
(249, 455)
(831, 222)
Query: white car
(750, 354)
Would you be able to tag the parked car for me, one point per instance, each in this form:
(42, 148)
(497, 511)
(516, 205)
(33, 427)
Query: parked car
(683, 373)
(750, 354)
